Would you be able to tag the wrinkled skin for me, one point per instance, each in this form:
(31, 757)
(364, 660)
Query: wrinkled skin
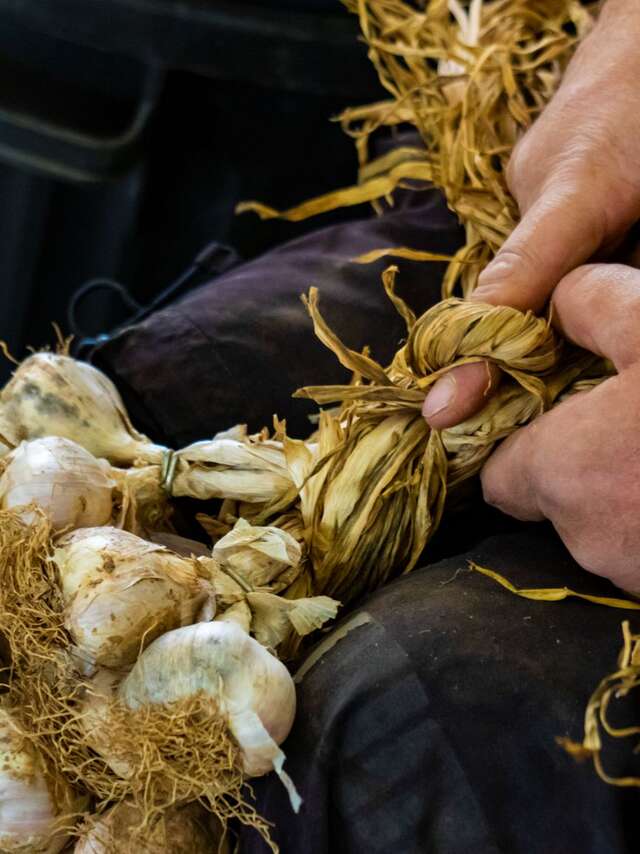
(579, 464)
(576, 177)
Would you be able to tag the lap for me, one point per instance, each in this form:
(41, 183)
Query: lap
(428, 721)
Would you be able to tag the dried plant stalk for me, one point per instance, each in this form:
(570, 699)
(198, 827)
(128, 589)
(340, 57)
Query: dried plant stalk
(617, 685)
(470, 82)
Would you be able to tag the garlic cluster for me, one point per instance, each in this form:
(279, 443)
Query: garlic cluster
(62, 479)
(31, 815)
(55, 395)
(244, 682)
(121, 592)
(158, 626)
(75, 490)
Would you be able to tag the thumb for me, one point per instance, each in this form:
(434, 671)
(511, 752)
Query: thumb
(560, 230)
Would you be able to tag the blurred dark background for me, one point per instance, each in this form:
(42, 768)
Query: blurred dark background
(129, 130)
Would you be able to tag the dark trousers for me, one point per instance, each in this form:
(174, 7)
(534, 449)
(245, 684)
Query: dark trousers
(427, 721)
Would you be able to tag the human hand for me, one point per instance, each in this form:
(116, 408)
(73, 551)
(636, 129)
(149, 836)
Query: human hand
(578, 465)
(576, 178)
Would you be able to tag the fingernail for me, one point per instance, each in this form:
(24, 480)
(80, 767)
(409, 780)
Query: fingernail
(440, 397)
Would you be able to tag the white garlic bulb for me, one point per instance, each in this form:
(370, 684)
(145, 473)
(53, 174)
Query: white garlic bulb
(67, 483)
(246, 684)
(121, 592)
(183, 830)
(54, 395)
(30, 817)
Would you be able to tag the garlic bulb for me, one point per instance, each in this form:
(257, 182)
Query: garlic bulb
(246, 684)
(257, 554)
(121, 592)
(185, 830)
(72, 487)
(54, 395)
(30, 816)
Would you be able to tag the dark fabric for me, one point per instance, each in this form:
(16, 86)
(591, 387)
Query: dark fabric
(236, 349)
(432, 727)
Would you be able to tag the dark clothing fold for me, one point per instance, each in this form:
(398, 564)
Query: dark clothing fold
(236, 349)
(431, 725)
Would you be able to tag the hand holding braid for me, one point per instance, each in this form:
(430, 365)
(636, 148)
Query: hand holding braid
(579, 465)
(576, 178)
(373, 491)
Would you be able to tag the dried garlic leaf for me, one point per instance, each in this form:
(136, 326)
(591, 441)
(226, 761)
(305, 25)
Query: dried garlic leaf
(238, 613)
(307, 615)
(555, 594)
(275, 618)
(257, 554)
(253, 471)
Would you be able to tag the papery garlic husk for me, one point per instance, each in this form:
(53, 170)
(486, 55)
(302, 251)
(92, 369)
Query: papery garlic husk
(228, 589)
(237, 431)
(178, 830)
(71, 487)
(99, 692)
(245, 683)
(275, 619)
(252, 470)
(142, 502)
(34, 814)
(121, 592)
(239, 613)
(55, 395)
(180, 545)
(257, 554)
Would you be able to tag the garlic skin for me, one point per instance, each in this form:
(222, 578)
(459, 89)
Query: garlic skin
(71, 487)
(257, 554)
(99, 692)
(247, 684)
(184, 830)
(252, 470)
(28, 814)
(54, 395)
(180, 545)
(121, 592)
